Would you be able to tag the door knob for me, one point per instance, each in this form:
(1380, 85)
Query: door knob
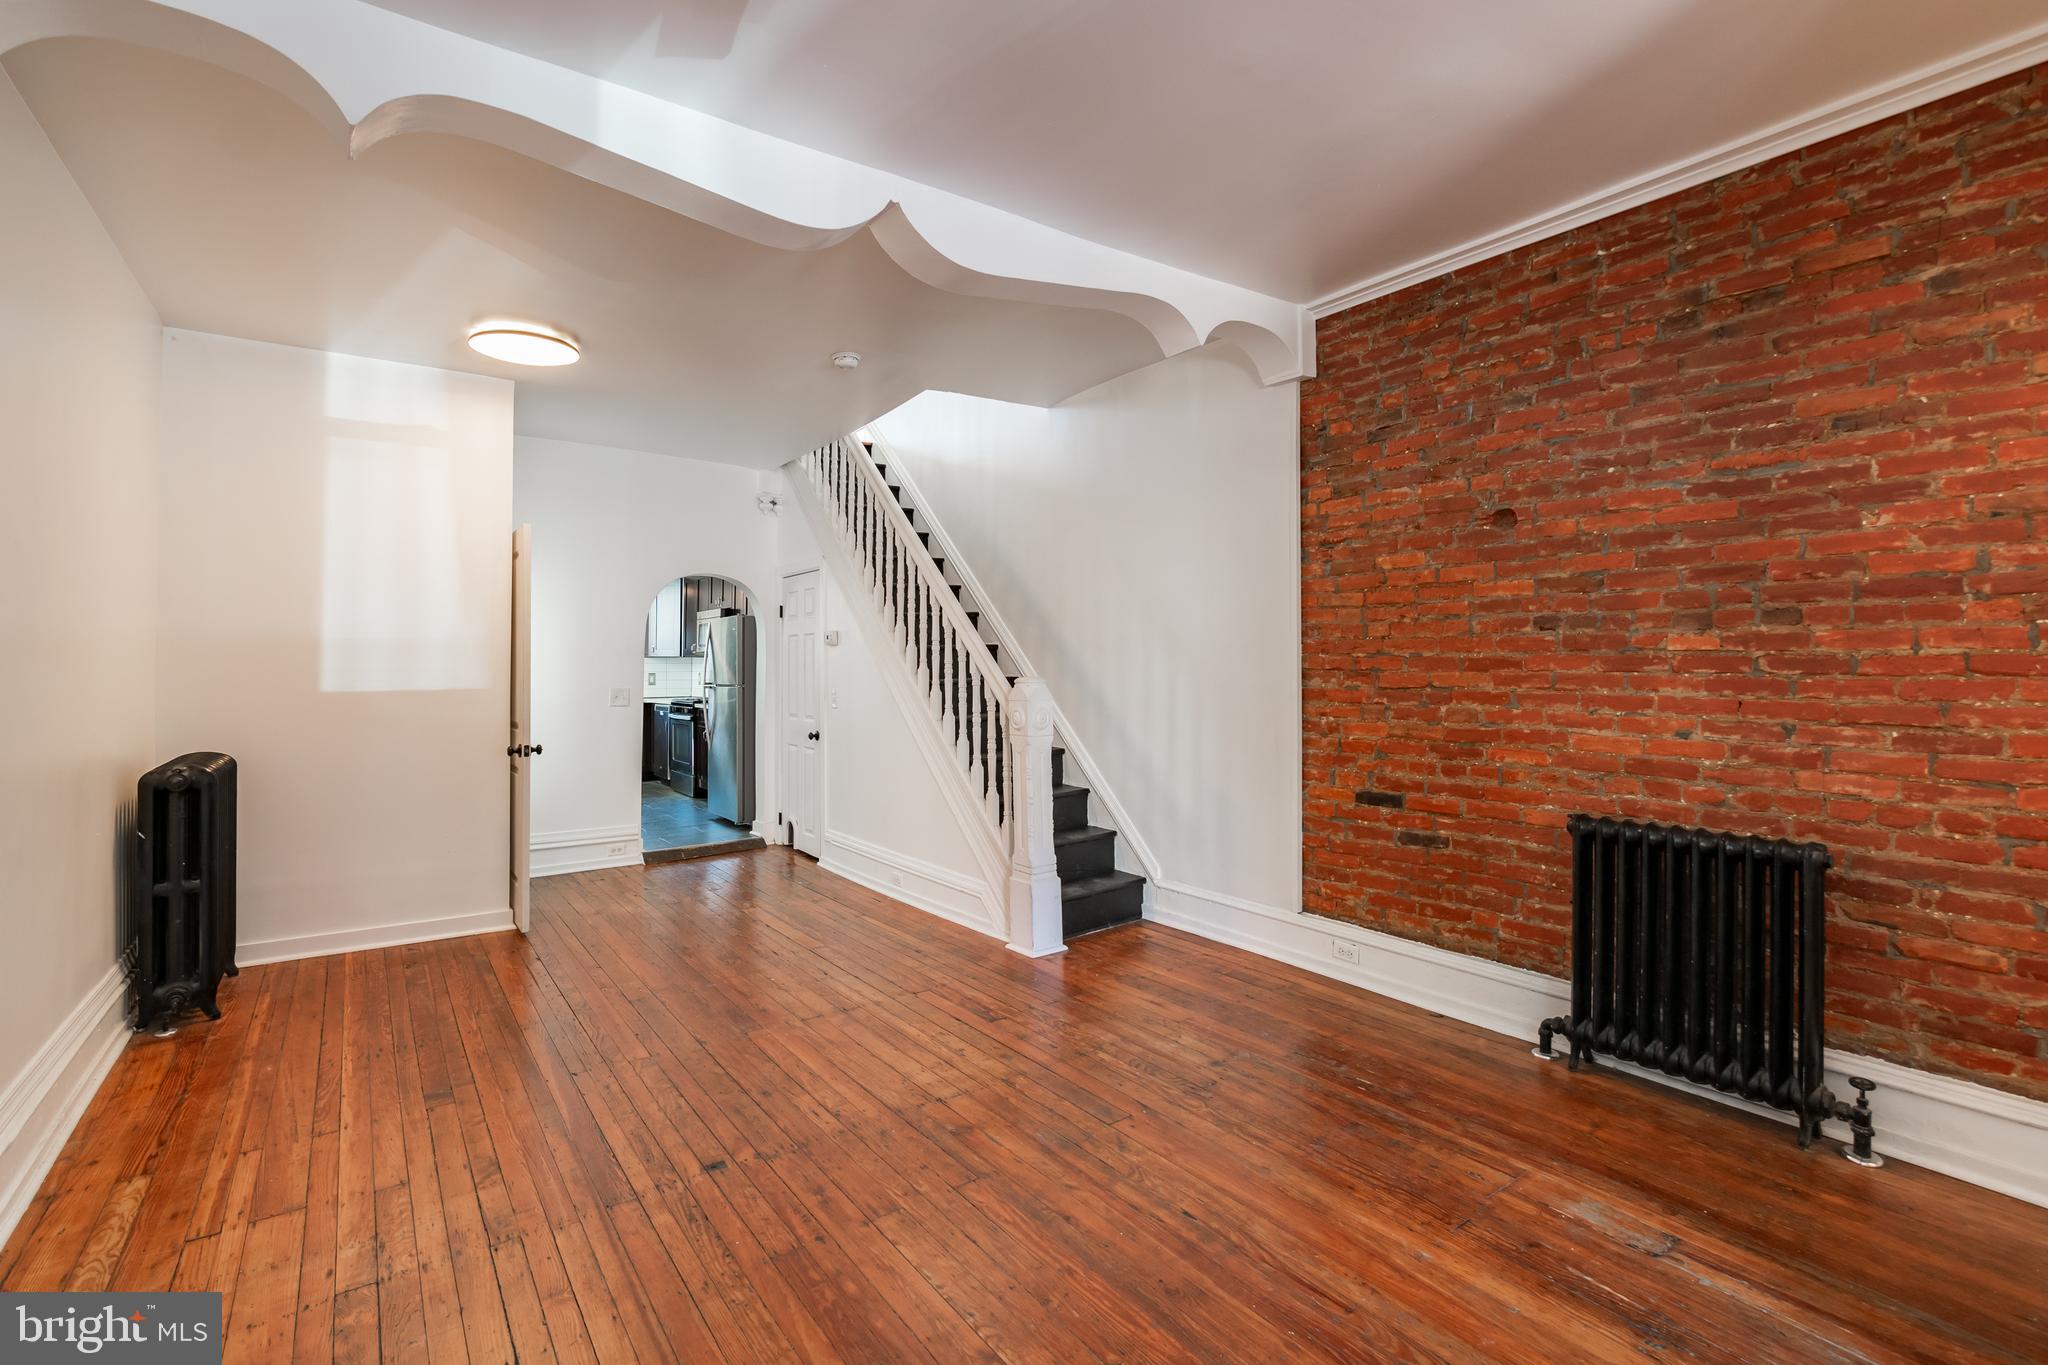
(814, 734)
(522, 751)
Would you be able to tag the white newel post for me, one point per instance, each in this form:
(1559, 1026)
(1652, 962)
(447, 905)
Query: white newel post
(1035, 927)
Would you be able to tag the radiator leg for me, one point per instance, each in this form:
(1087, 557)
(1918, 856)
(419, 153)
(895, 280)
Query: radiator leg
(1861, 1130)
(1544, 1032)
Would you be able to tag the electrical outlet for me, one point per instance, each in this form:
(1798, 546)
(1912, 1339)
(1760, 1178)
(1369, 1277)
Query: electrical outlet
(618, 850)
(1344, 950)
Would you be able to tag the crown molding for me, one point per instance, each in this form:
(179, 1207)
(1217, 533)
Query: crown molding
(1924, 86)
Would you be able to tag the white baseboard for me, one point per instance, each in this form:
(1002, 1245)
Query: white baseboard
(43, 1103)
(1972, 1132)
(584, 850)
(926, 886)
(372, 936)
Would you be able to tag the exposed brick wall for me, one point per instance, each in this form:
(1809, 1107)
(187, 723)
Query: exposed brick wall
(1731, 510)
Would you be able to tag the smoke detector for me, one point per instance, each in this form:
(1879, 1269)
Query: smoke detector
(846, 360)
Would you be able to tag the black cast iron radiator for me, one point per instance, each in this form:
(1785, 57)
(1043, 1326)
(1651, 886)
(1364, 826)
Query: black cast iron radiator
(182, 912)
(1704, 956)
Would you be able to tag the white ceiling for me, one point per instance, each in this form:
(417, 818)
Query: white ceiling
(1295, 148)
(240, 215)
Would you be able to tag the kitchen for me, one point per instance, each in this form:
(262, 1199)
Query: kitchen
(697, 788)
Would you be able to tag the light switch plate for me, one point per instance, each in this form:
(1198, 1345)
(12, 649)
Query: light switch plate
(622, 696)
(650, 680)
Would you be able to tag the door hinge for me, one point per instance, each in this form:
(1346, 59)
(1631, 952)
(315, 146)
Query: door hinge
(778, 609)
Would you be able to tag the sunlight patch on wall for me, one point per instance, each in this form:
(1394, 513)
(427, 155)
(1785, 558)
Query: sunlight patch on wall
(395, 612)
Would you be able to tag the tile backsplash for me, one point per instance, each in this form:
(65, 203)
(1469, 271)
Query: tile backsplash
(674, 677)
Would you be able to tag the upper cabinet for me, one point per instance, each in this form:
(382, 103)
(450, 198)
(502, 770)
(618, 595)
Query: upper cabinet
(721, 595)
(666, 629)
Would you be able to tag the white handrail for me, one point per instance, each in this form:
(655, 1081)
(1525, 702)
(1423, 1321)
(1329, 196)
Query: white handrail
(1079, 760)
(904, 533)
(914, 598)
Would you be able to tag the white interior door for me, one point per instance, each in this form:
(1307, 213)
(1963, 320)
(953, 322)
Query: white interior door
(802, 781)
(522, 749)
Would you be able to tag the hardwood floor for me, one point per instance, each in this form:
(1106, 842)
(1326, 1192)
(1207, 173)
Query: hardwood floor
(743, 1109)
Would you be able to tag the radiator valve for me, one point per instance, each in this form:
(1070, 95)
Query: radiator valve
(1861, 1130)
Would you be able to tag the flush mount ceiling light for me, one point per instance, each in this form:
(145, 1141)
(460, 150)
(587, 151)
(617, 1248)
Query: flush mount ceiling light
(523, 343)
(846, 360)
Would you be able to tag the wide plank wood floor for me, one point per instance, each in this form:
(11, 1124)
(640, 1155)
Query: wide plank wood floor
(742, 1109)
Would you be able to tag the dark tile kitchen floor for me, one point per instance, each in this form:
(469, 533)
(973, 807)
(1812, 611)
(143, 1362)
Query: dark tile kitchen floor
(672, 823)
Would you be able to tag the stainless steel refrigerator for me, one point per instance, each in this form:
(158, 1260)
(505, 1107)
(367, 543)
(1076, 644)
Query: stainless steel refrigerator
(729, 704)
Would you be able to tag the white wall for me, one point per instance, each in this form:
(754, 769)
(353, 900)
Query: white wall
(1141, 541)
(335, 604)
(609, 528)
(78, 394)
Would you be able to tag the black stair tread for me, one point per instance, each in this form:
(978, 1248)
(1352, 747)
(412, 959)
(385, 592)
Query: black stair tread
(1066, 789)
(1095, 886)
(1081, 832)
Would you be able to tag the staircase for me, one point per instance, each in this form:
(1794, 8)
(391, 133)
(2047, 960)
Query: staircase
(1093, 893)
(996, 722)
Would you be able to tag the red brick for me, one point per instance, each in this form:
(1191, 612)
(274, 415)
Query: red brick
(1775, 569)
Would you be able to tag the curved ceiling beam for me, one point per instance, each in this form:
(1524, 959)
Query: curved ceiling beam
(177, 31)
(551, 146)
(372, 74)
(891, 226)
(1274, 359)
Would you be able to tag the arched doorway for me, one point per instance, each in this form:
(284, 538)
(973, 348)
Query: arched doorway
(698, 749)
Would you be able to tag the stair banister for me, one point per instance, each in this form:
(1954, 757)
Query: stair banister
(888, 521)
(1036, 927)
(1064, 733)
(1002, 750)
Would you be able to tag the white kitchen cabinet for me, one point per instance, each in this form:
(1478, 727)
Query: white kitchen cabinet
(665, 622)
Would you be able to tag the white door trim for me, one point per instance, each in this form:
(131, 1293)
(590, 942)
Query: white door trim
(520, 882)
(790, 830)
